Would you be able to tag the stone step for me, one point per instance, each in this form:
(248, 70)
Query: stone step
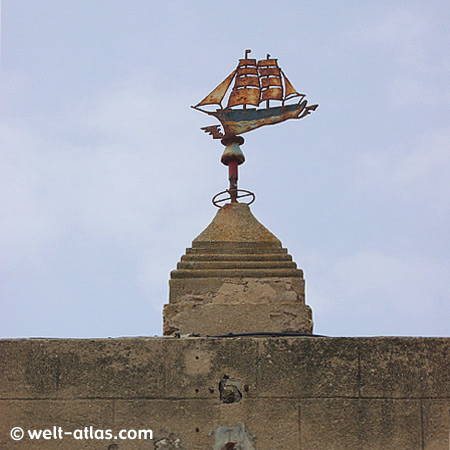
(237, 257)
(257, 250)
(237, 273)
(235, 244)
(217, 265)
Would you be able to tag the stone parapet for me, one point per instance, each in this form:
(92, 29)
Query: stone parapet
(287, 393)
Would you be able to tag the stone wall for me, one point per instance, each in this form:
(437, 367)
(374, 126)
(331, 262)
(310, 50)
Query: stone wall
(263, 393)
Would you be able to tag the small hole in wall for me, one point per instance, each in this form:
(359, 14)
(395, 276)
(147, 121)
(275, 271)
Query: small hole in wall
(197, 429)
(196, 357)
(230, 446)
(229, 390)
(196, 391)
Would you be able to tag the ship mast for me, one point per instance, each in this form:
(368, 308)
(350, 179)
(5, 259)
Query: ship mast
(244, 107)
(267, 101)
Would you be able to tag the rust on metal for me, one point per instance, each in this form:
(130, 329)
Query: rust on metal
(270, 81)
(214, 131)
(257, 83)
(216, 96)
(224, 196)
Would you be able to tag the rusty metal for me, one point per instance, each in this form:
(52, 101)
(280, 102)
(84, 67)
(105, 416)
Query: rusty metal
(233, 178)
(270, 81)
(216, 96)
(232, 153)
(244, 96)
(256, 83)
(214, 131)
(252, 70)
(217, 201)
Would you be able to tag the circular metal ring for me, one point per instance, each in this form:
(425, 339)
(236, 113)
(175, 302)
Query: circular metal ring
(217, 201)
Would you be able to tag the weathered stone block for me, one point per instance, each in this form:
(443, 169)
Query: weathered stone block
(273, 423)
(187, 421)
(308, 367)
(195, 366)
(397, 367)
(356, 424)
(29, 368)
(436, 424)
(39, 368)
(221, 319)
(44, 414)
(237, 290)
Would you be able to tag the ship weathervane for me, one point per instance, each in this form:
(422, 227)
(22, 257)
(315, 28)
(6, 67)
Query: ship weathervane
(255, 83)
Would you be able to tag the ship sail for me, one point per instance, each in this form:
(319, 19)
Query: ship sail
(246, 89)
(255, 82)
(289, 90)
(270, 76)
(217, 95)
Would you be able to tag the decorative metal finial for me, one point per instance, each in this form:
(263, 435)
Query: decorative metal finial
(255, 82)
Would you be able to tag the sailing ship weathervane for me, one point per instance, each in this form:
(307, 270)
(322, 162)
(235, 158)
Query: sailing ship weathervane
(255, 83)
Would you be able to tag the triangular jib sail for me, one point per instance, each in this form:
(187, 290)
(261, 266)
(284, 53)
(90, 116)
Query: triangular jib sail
(289, 91)
(217, 95)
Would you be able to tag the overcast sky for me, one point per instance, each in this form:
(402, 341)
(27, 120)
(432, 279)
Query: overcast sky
(106, 176)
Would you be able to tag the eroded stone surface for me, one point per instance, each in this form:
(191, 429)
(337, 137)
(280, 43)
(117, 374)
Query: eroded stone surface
(232, 438)
(229, 390)
(222, 319)
(355, 424)
(168, 444)
(436, 424)
(238, 290)
(236, 261)
(236, 223)
(297, 393)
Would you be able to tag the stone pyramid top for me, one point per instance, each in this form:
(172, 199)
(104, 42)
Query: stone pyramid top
(236, 223)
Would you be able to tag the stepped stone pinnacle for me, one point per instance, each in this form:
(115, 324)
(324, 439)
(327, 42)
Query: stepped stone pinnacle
(236, 278)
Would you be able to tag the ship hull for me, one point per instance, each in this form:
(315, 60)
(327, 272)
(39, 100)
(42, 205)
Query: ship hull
(238, 121)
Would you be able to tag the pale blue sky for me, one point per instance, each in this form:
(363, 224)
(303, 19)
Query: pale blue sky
(106, 176)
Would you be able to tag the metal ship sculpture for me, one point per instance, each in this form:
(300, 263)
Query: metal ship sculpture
(256, 83)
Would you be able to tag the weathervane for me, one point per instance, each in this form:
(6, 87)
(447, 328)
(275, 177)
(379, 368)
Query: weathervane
(256, 82)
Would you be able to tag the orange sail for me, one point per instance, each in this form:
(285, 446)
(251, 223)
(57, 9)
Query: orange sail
(246, 89)
(217, 95)
(270, 76)
(289, 91)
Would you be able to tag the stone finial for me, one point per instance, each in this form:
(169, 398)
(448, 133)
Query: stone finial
(236, 278)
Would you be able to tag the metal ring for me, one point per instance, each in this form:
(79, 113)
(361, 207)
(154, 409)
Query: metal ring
(216, 202)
